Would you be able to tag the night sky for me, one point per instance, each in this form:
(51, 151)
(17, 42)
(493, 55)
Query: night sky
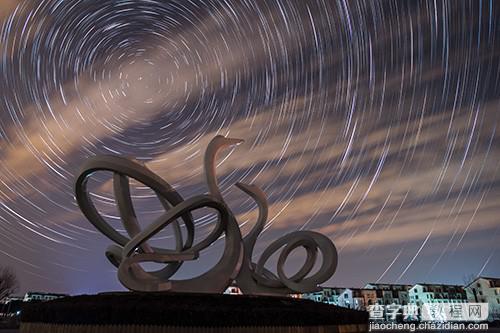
(375, 123)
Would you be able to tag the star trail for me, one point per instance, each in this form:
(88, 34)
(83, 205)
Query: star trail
(373, 122)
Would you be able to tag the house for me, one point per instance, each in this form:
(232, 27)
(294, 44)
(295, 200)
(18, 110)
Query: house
(422, 293)
(486, 290)
(327, 295)
(40, 296)
(9, 299)
(391, 293)
(357, 298)
(233, 290)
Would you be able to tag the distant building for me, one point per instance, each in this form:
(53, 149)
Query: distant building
(481, 290)
(325, 295)
(437, 293)
(357, 298)
(391, 293)
(9, 299)
(486, 290)
(233, 290)
(39, 296)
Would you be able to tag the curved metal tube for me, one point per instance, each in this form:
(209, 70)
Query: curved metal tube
(214, 147)
(216, 280)
(236, 262)
(218, 143)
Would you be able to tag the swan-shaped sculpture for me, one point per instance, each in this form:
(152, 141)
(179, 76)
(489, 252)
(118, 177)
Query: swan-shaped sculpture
(235, 265)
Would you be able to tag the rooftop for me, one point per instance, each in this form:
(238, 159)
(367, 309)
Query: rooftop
(494, 281)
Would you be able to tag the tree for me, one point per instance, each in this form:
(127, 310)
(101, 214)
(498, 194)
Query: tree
(468, 278)
(9, 283)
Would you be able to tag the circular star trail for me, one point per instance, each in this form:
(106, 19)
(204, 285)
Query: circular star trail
(374, 123)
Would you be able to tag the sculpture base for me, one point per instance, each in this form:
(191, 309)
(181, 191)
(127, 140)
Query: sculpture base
(173, 312)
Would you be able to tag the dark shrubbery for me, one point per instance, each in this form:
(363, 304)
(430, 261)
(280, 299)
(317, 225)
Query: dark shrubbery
(189, 310)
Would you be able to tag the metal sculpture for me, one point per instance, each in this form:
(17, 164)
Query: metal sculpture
(236, 262)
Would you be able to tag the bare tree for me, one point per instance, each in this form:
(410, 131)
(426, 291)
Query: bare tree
(8, 282)
(468, 278)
